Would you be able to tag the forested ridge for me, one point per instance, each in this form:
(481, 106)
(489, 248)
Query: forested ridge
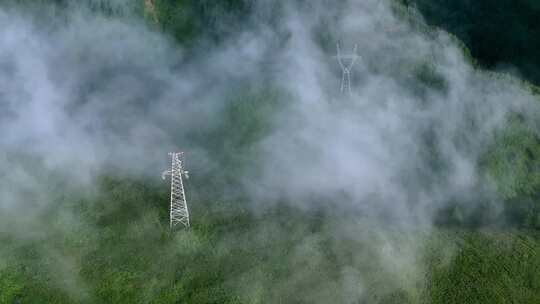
(501, 35)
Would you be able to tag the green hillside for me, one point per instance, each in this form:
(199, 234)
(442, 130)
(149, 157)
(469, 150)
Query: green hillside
(234, 256)
(111, 242)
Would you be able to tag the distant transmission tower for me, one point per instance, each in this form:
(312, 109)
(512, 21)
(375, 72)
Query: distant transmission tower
(346, 62)
(179, 213)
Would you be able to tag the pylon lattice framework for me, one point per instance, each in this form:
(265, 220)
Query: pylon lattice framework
(179, 213)
(346, 68)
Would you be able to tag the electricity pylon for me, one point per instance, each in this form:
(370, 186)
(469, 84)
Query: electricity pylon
(179, 213)
(346, 68)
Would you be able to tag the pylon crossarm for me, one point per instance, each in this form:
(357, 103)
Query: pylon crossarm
(340, 57)
(165, 174)
(354, 56)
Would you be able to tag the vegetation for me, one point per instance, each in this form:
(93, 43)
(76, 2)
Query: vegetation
(121, 250)
(190, 19)
(499, 34)
(490, 267)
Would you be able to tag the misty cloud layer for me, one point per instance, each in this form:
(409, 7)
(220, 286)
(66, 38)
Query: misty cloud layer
(398, 144)
(90, 94)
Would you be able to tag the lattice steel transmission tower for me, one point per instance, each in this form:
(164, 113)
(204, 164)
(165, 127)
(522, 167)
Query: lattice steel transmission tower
(346, 62)
(179, 213)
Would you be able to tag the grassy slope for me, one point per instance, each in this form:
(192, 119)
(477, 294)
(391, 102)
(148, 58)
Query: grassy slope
(122, 252)
(488, 267)
(130, 257)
